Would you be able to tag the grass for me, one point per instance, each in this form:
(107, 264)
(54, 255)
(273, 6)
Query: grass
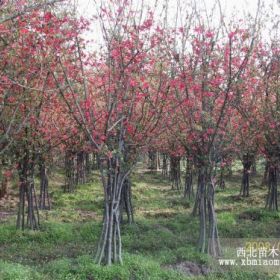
(164, 233)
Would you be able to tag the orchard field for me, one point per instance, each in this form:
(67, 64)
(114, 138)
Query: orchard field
(139, 139)
(160, 244)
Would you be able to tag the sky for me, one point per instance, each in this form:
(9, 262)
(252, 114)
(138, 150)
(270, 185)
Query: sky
(87, 7)
(230, 9)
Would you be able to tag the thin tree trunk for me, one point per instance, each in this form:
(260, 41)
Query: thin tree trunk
(110, 247)
(189, 192)
(245, 184)
(164, 169)
(27, 192)
(197, 195)
(152, 160)
(126, 202)
(81, 168)
(87, 166)
(3, 187)
(272, 197)
(214, 247)
(158, 160)
(222, 184)
(95, 162)
(175, 172)
(208, 233)
(44, 198)
(265, 175)
(70, 177)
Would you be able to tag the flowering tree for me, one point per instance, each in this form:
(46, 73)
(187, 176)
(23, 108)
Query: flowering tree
(115, 97)
(205, 76)
(269, 121)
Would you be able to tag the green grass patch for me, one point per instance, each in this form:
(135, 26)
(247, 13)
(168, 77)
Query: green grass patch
(164, 233)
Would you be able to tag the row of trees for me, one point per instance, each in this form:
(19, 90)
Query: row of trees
(208, 93)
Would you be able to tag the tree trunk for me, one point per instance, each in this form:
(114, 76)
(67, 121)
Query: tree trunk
(3, 186)
(175, 172)
(229, 170)
(197, 196)
(87, 166)
(214, 247)
(265, 175)
(152, 160)
(222, 184)
(164, 169)
(126, 202)
(208, 233)
(27, 192)
(189, 192)
(254, 168)
(110, 245)
(70, 177)
(44, 198)
(272, 197)
(4, 167)
(95, 162)
(81, 168)
(158, 160)
(245, 184)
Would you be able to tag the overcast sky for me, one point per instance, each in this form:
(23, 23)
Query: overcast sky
(238, 8)
(86, 7)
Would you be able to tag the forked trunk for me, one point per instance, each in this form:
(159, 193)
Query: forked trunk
(110, 245)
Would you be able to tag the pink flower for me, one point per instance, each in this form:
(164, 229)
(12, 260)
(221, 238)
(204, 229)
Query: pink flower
(115, 53)
(133, 83)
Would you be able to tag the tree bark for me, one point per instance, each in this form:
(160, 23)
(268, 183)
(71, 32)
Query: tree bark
(87, 166)
(265, 175)
(126, 202)
(27, 193)
(152, 160)
(3, 187)
(245, 184)
(164, 169)
(189, 192)
(70, 176)
(81, 167)
(110, 245)
(175, 172)
(254, 168)
(197, 196)
(95, 162)
(4, 167)
(222, 184)
(208, 233)
(272, 197)
(44, 198)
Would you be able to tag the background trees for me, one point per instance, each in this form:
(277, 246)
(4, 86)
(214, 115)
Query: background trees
(190, 90)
